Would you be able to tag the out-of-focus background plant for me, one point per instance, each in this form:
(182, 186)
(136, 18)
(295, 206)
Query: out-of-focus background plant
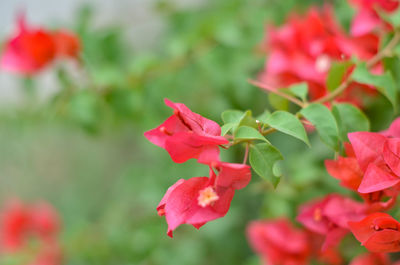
(81, 145)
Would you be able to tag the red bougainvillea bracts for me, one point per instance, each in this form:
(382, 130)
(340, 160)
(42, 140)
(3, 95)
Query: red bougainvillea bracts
(32, 49)
(378, 232)
(330, 217)
(199, 200)
(21, 223)
(279, 243)
(187, 135)
(367, 19)
(305, 48)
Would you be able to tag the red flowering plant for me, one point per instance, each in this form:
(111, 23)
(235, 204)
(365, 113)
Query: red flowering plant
(30, 232)
(316, 65)
(32, 49)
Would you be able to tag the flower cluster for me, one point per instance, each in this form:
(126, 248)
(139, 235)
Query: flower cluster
(367, 19)
(370, 169)
(21, 224)
(305, 48)
(196, 201)
(32, 49)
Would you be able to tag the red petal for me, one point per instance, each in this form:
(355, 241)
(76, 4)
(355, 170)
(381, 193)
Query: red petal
(346, 170)
(391, 154)
(367, 146)
(235, 176)
(377, 179)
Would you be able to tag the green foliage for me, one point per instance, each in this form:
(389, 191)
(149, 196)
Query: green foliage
(289, 124)
(325, 123)
(262, 159)
(300, 90)
(246, 133)
(349, 119)
(384, 83)
(336, 74)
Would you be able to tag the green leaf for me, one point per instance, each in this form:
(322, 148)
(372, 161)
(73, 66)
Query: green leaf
(300, 90)
(324, 122)
(393, 17)
(278, 102)
(336, 74)
(288, 123)
(226, 128)
(248, 120)
(384, 83)
(349, 119)
(246, 133)
(262, 158)
(231, 116)
(263, 116)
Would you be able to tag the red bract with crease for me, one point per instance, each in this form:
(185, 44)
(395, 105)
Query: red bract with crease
(279, 243)
(329, 216)
(367, 19)
(304, 49)
(377, 157)
(187, 135)
(378, 232)
(199, 200)
(29, 51)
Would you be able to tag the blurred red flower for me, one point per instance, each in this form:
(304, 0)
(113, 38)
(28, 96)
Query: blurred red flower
(304, 49)
(187, 135)
(330, 216)
(371, 259)
(32, 49)
(29, 51)
(279, 243)
(20, 223)
(199, 200)
(367, 19)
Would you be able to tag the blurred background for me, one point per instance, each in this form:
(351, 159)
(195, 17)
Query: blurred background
(74, 137)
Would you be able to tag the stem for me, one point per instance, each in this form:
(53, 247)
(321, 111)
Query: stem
(246, 153)
(277, 92)
(370, 63)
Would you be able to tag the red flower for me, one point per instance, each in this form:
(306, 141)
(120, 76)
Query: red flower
(378, 232)
(279, 243)
(187, 135)
(29, 51)
(304, 49)
(367, 19)
(330, 216)
(377, 157)
(67, 43)
(199, 200)
(19, 223)
(371, 259)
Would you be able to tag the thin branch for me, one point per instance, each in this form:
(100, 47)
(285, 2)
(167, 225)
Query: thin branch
(277, 92)
(246, 153)
(370, 63)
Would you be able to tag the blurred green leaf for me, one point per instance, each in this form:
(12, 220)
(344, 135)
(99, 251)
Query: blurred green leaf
(325, 123)
(384, 83)
(289, 124)
(262, 159)
(278, 102)
(349, 119)
(336, 74)
(245, 133)
(300, 90)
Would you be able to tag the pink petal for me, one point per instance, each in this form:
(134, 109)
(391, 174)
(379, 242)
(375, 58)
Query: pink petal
(235, 176)
(377, 179)
(367, 146)
(391, 154)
